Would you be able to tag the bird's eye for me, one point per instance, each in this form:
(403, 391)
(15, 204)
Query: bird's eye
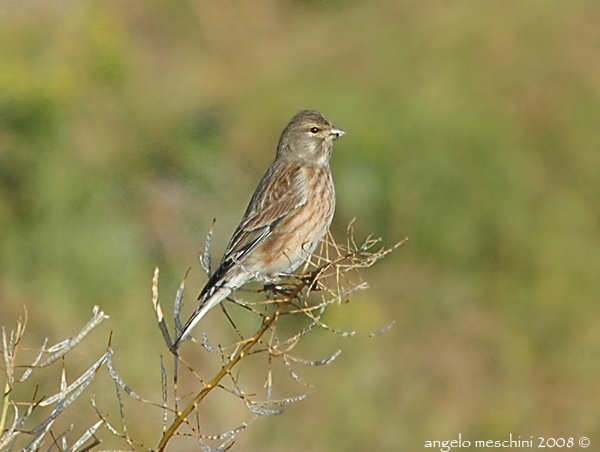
(314, 129)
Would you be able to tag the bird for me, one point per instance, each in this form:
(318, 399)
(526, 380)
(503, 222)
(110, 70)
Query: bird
(288, 215)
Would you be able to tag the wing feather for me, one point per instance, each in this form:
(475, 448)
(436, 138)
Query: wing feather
(280, 193)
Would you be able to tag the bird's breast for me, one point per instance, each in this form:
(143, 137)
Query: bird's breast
(298, 234)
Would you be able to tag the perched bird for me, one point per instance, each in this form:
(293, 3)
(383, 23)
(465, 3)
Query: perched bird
(288, 215)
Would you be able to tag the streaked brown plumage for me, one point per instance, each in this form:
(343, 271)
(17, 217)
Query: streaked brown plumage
(288, 215)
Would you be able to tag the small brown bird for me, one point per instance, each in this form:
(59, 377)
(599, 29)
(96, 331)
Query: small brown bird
(288, 215)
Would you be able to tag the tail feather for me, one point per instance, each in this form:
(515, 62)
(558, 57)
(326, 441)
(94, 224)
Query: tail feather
(206, 305)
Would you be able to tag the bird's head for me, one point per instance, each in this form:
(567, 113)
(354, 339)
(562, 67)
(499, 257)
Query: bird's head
(308, 137)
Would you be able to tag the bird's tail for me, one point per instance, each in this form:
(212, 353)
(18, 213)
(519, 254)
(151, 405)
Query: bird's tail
(209, 302)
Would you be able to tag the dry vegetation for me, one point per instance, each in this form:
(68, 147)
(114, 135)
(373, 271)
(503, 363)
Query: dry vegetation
(28, 424)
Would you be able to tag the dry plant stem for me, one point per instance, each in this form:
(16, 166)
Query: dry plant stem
(5, 403)
(226, 369)
(349, 257)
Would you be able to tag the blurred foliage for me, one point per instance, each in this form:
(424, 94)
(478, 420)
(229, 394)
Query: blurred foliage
(472, 128)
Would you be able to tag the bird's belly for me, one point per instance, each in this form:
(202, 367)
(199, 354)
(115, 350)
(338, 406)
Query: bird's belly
(291, 246)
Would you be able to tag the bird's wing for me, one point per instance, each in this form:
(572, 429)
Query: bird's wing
(280, 193)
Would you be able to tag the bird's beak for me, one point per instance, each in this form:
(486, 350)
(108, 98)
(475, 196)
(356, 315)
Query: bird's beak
(337, 133)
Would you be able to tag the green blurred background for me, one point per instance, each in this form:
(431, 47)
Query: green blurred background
(471, 127)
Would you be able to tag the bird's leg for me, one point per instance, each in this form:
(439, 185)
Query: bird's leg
(284, 275)
(312, 281)
(273, 289)
(304, 278)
